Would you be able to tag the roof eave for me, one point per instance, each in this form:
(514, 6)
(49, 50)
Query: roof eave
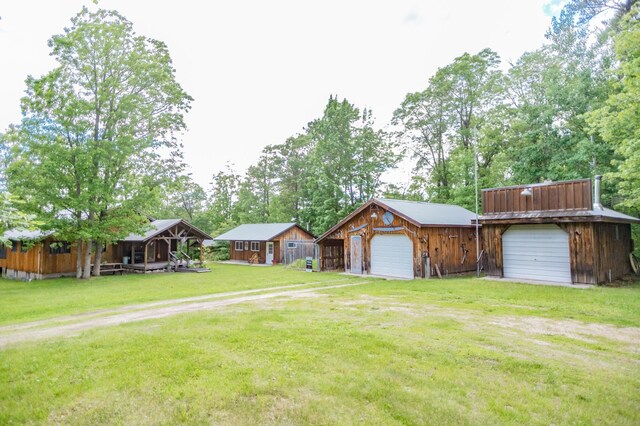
(360, 209)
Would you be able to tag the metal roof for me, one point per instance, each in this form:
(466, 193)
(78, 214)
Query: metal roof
(255, 232)
(604, 215)
(430, 213)
(419, 213)
(161, 225)
(24, 234)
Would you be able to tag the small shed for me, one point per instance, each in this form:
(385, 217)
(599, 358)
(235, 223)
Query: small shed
(400, 238)
(265, 243)
(555, 231)
(167, 241)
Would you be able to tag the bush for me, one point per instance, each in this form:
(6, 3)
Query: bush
(219, 252)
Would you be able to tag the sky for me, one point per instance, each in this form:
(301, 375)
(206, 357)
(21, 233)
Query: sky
(259, 71)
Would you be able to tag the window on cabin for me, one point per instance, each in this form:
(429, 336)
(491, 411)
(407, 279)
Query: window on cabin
(59, 247)
(3, 251)
(246, 245)
(292, 245)
(14, 246)
(239, 245)
(255, 246)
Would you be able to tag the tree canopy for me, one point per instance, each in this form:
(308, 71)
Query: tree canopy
(87, 152)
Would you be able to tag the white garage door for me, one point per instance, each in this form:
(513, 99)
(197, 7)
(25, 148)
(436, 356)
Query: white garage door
(536, 252)
(392, 255)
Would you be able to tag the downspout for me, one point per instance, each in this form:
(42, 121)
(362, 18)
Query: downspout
(597, 205)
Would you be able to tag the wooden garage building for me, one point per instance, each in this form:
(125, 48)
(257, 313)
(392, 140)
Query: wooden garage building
(266, 243)
(399, 238)
(555, 232)
(38, 254)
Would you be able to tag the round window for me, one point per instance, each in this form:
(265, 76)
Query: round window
(387, 218)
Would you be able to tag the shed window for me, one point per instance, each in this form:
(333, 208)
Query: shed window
(292, 245)
(239, 245)
(3, 251)
(246, 245)
(14, 246)
(59, 247)
(255, 245)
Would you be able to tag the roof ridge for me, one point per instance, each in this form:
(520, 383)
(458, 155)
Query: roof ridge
(420, 202)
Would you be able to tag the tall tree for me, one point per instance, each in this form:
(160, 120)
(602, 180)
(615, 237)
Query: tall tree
(347, 160)
(290, 201)
(92, 130)
(223, 197)
(618, 120)
(436, 125)
(183, 198)
(423, 122)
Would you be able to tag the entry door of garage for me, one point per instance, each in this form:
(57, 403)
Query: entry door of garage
(392, 255)
(536, 252)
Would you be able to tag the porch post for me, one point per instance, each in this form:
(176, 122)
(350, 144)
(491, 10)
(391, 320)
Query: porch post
(145, 256)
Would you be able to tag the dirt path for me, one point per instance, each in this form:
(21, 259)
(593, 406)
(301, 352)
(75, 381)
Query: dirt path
(49, 328)
(138, 306)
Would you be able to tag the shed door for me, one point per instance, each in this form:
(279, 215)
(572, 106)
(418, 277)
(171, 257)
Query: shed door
(392, 255)
(536, 252)
(356, 255)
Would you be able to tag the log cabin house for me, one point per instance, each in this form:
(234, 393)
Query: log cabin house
(555, 232)
(38, 255)
(264, 243)
(404, 239)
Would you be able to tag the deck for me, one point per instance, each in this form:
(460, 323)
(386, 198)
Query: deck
(160, 266)
(151, 266)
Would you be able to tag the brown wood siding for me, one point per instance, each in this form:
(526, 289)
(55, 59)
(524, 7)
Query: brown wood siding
(332, 255)
(294, 234)
(19, 261)
(570, 195)
(581, 254)
(245, 255)
(39, 259)
(612, 254)
(452, 248)
(492, 240)
(277, 258)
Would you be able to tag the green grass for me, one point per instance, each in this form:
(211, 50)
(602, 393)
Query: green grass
(458, 351)
(598, 304)
(25, 301)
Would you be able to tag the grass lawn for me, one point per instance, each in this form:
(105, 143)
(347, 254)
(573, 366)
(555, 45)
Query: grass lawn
(461, 351)
(25, 301)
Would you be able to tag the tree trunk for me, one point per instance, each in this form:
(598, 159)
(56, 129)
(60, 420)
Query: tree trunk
(79, 259)
(86, 273)
(98, 259)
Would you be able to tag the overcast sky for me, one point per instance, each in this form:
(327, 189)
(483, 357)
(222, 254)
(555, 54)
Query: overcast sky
(259, 71)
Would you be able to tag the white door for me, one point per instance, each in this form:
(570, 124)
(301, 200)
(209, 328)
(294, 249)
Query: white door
(392, 255)
(269, 256)
(536, 252)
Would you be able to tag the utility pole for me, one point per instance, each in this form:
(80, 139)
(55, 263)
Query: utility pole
(475, 164)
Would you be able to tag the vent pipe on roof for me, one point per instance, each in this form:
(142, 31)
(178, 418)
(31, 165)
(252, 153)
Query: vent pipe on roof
(597, 205)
